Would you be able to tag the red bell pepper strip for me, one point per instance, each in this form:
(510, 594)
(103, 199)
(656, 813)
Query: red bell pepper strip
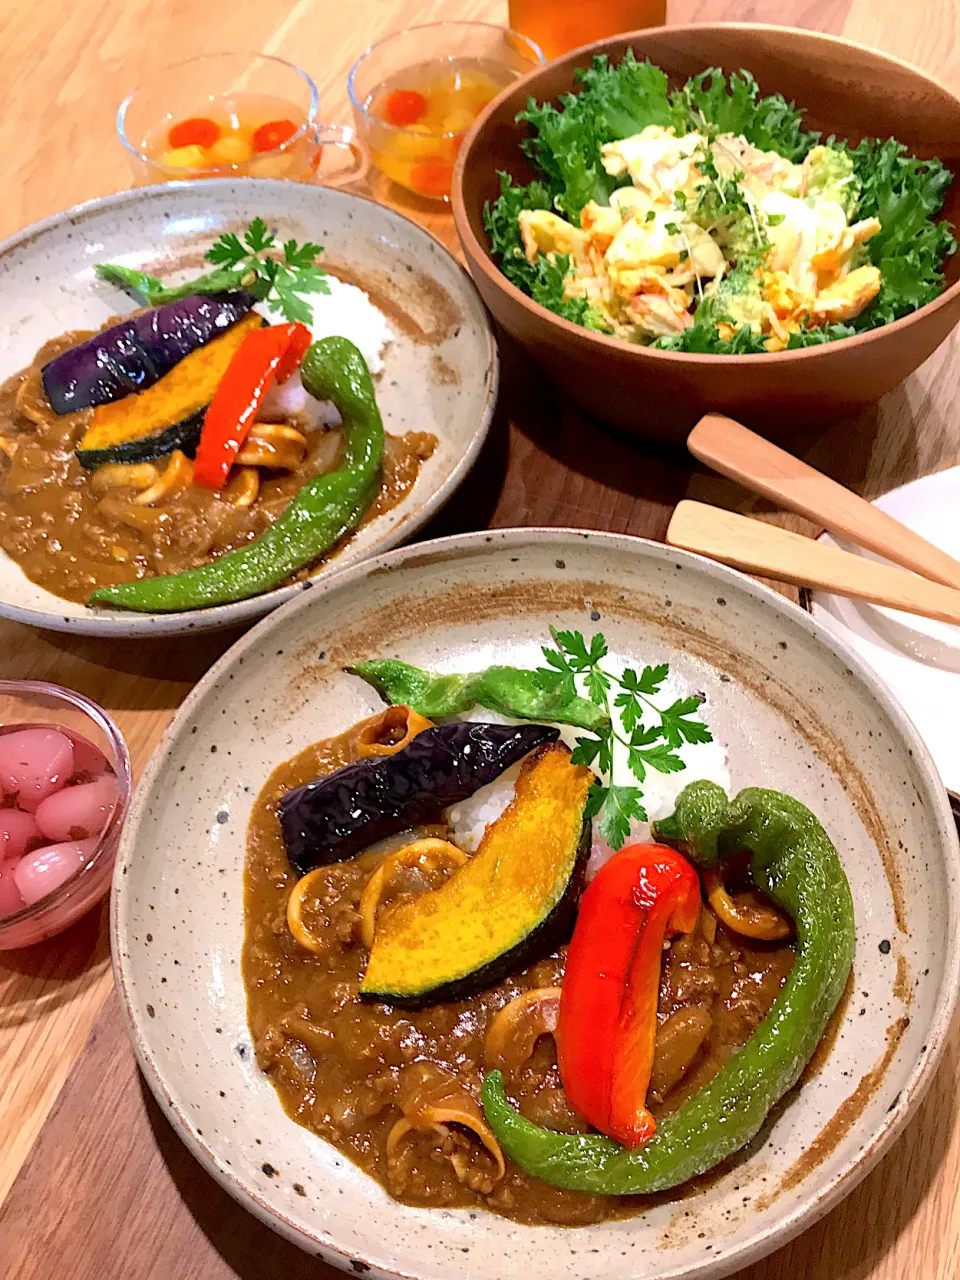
(265, 356)
(299, 343)
(608, 1007)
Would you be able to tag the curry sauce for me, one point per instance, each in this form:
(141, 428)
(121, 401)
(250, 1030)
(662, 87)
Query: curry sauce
(351, 1071)
(70, 536)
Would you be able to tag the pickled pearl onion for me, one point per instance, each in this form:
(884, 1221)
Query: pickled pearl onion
(33, 764)
(16, 831)
(44, 870)
(75, 813)
(10, 899)
(87, 758)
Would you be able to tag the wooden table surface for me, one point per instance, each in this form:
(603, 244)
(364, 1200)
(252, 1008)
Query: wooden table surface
(95, 1183)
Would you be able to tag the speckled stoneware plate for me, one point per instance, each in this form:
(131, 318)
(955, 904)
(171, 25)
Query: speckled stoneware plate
(796, 709)
(440, 371)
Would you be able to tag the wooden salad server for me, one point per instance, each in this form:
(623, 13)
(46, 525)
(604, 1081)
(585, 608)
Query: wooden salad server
(741, 455)
(766, 549)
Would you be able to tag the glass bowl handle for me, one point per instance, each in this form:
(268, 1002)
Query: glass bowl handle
(340, 157)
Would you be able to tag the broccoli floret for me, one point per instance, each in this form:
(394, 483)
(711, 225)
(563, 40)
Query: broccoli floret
(830, 176)
(737, 298)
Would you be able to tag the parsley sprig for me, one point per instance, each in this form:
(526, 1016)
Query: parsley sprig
(650, 733)
(279, 275)
(285, 278)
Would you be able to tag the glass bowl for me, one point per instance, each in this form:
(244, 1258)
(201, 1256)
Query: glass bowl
(33, 702)
(418, 160)
(205, 84)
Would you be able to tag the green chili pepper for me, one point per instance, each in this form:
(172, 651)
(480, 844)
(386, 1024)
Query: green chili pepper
(794, 862)
(322, 512)
(508, 690)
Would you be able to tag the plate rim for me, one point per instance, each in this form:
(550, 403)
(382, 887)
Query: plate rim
(817, 605)
(132, 625)
(778, 1233)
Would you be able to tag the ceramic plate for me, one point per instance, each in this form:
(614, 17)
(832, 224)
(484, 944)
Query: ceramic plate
(440, 371)
(918, 659)
(796, 710)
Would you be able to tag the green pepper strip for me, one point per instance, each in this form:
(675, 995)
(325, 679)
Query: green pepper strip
(510, 691)
(795, 863)
(152, 290)
(322, 512)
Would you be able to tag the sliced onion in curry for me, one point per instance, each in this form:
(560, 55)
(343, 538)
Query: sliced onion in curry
(679, 1040)
(273, 445)
(745, 913)
(124, 475)
(177, 476)
(143, 519)
(433, 1098)
(243, 487)
(514, 1032)
(390, 732)
(301, 891)
(430, 854)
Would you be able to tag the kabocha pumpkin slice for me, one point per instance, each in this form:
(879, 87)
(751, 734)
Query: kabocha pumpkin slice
(513, 902)
(169, 414)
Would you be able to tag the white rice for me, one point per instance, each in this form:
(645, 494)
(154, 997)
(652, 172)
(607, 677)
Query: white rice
(469, 819)
(346, 312)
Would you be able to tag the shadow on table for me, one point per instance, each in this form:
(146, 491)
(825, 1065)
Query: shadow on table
(474, 504)
(871, 452)
(852, 1240)
(566, 469)
(845, 1245)
(181, 659)
(63, 964)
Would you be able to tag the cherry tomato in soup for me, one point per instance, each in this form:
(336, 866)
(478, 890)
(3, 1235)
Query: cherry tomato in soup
(405, 106)
(198, 131)
(432, 176)
(273, 134)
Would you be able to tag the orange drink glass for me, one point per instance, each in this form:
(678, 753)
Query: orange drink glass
(416, 93)
(560, 25)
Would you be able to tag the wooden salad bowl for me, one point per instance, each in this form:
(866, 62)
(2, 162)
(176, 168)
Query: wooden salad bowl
(846, 90)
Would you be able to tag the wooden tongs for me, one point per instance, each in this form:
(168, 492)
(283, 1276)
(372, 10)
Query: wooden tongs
(932, 589)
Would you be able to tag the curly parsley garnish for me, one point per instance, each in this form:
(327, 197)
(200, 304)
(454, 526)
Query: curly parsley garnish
(279, 275)
(651, 733)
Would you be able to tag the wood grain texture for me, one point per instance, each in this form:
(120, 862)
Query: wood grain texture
(50, 994)
(108, 1191)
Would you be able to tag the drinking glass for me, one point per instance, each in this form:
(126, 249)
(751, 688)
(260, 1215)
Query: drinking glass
(212, 82)
(35, 703)
(404, 153)
(561, 25)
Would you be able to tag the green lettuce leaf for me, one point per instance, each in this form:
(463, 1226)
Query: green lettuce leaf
(542, 280)
(613, 102)
(628, 97)
(547, 289)
(502, 225)
(906, 194)
(716, 103)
